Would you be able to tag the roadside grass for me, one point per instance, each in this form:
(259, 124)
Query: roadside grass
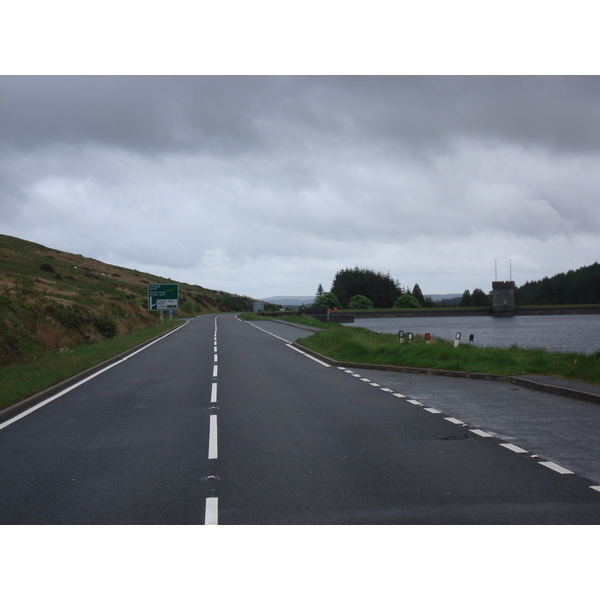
(46, 368)
(358, 345)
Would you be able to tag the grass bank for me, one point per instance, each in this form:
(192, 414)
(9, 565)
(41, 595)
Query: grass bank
(358, 345)
(46, 368)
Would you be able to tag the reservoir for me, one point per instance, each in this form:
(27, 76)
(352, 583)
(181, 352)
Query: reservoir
(556, 333)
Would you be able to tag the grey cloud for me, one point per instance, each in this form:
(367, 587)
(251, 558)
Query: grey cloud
(247, 176)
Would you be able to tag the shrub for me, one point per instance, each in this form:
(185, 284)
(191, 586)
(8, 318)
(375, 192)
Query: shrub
(360, 301)
(106, 327)
(407, 301)
(328, 299)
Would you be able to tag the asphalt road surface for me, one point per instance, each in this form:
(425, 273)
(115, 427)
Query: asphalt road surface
(224, 422)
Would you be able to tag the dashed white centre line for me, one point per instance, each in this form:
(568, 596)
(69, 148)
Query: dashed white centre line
(455, 421)
(213, 392)
(215, 370)
(514, 448)
(216, 360)
(557, 468)
(211, 514)
(212, 438)
(433, 411)
(481, 433)
(415, 402)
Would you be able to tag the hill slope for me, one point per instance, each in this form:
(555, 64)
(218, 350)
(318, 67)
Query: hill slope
(51, 299)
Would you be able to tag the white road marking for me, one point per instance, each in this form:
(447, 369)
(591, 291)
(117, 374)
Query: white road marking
(514, 448)
(355, 375)
(316, 360)
(365, 379)
(557, 468)
(215, 370)
(216, 360)
(296, 349)
(595, 487)
(76, 385)
(212, 438)
(213, 392)
(375, 384)
(433, 411)
(401, 396)
(481, 433)
(275, 336)
(386, 390)
(211, 514)
(455, 421)
(415, 402)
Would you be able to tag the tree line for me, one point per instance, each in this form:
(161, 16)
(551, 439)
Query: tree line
(581, 286)
(364, 288)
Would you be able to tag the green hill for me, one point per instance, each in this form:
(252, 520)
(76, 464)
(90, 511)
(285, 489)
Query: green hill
(52, 300)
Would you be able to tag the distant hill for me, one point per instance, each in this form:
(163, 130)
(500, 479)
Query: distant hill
(438, 297)
(51, 299)
(290, 300)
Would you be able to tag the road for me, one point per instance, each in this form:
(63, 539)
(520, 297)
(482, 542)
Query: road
(224, 422)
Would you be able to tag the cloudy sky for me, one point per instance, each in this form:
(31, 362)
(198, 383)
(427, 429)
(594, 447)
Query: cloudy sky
(267, 185)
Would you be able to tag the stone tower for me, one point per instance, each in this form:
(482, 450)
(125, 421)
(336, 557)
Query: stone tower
(504, 298)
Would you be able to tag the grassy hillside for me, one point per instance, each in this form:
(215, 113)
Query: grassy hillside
(52, 300)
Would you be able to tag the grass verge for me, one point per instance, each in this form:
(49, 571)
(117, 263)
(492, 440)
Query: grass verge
(47, 368)
(358, 345)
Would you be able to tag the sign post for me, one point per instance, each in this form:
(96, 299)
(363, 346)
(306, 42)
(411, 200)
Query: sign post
(163, 297)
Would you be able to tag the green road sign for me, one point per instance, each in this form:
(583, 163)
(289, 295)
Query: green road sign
(163, 296)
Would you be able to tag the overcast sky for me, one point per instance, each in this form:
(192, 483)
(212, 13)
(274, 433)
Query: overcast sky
(267, 185)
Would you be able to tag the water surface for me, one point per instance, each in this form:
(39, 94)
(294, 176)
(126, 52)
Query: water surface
(557, 333)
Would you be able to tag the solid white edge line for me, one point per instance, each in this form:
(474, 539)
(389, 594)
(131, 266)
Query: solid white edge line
(275, 336)
(296, 349)
(211, 514)
(557, 468)
(212, 438)
(213, 392)
(316, 360)
(306, 354)
(514, 448)
(76, 385)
